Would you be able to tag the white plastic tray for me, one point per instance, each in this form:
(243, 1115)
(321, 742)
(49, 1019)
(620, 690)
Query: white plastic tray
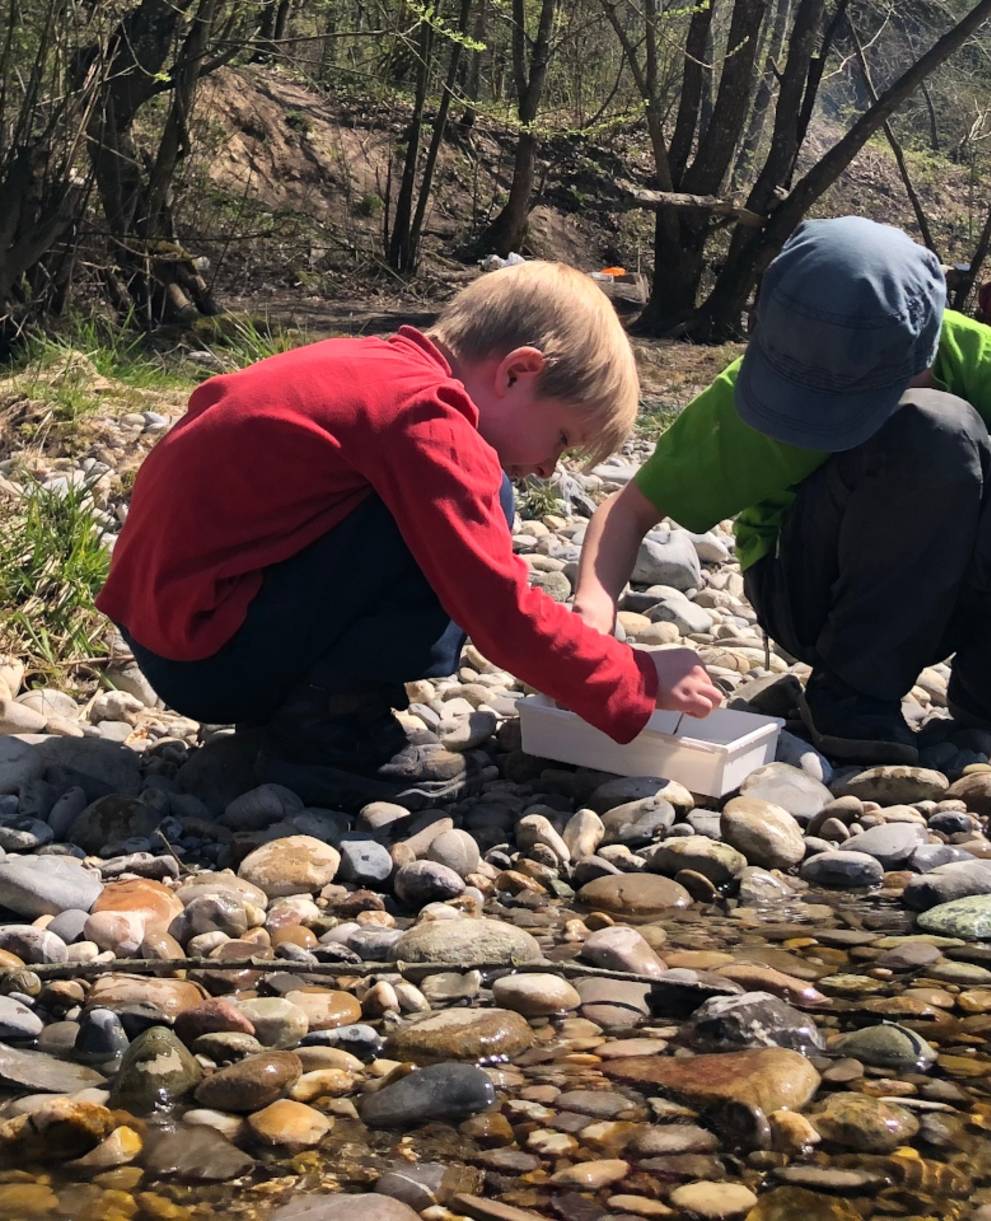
(712, 756)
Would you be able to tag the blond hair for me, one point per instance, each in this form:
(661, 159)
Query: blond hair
(565, 315)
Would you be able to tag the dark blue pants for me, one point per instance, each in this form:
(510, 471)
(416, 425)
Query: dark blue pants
(351, 607)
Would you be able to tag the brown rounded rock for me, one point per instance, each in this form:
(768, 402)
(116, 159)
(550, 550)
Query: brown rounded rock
(294, 865)
(634, 894)
(250, 1084)
(143, 897)
(326, 1008)
(461, 1034)
(290, 1125)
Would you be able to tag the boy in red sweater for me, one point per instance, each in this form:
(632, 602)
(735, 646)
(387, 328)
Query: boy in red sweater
(322, 527)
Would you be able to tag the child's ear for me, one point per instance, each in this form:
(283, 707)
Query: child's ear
(520, 362)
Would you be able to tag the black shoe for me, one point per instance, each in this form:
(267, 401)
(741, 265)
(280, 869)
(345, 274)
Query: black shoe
(344, 749)
(845, 724)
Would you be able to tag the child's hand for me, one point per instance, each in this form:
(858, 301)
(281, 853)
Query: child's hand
(683, 684)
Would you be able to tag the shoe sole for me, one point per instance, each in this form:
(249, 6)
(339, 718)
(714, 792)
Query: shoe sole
(333, 788)
(855, 750)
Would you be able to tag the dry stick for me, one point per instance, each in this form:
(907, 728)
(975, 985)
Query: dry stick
(896, 147)
(272, 966)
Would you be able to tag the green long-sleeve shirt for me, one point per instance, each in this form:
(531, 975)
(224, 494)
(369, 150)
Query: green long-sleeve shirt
(710, 465)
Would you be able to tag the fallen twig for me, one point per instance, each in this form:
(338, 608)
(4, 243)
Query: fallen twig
(289, 966)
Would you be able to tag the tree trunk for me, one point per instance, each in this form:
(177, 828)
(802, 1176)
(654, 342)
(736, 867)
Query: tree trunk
(680, 241)
(761, 110)
(473, 76)
(719, 318)
(437, 138)
(507, 231)
(400, 254)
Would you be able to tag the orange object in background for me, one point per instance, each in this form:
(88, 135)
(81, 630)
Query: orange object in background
(613, 271)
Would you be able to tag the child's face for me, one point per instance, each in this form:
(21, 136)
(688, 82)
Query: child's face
(528, 431)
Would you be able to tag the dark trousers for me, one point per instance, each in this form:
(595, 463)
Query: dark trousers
(884, 561)
(352, 607)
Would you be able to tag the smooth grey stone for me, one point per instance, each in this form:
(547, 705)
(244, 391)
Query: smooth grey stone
(667, 557)
(891, 843)
(842, 869)
(706, 822)
(98, 767)
(34, 945)
(365, 1207)
(59, 1038)
(101, 1037)
(887, 1045)
(35, 1070)
(374, 944)
(359, 1039)
(35, 886)
(69, 924)
(448, 1092)
(954, 822)
(930, 856)
(945, 883)
(364, 861)
(144, 864)
(17, 1021)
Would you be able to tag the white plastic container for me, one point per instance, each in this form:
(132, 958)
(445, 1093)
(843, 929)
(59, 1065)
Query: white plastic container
(712, 756)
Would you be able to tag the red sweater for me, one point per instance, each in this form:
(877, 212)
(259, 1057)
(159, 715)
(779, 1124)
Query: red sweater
(268, 459)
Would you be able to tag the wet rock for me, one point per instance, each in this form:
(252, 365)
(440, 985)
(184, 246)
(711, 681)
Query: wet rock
(101, 1038)
(155, 1072)
(887, 1045)
(857, 1121)
(461, 1034)
(769, 1078)
(325, 1008)
(765, 833)
(535, 995)
(621, 948)
(714, 860)
(195, 1154)
(250, 1084)
(612, 1003)
(635, 895)
(842, 869)
(214, 1016)
(277, 1022)
(659, 1140)
(168, 997)
(296, 864)
(54, 1129)
(466, 941)
(788, 1203)
(681, 990)
(153, 902)
(755, 1019)
(368, 1206)
(446, 1092)
(46, 885)
(289, 1125)
(37, 1072)
(969, 918)
(713, 1201)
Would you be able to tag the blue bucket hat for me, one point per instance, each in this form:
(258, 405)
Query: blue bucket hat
(848, 313)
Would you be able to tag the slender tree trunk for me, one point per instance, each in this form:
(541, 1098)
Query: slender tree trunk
(473, 75)
(437, 137)
(399, 244)
(507, 231)
(761, 110)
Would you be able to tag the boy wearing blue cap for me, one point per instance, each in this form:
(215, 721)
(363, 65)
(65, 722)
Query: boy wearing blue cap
(851, 444)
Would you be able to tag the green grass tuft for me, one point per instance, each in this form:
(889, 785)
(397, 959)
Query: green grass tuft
(52, 564)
